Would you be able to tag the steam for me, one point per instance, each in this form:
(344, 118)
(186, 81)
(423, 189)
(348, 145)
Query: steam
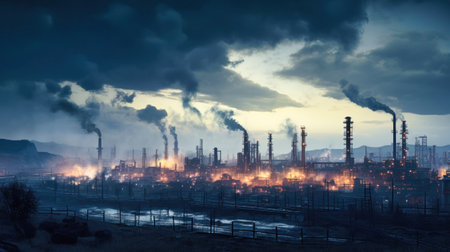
(226, 118)
(352, 93)
(289, 127)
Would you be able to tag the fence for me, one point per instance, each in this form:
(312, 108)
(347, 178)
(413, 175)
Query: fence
(187, 223)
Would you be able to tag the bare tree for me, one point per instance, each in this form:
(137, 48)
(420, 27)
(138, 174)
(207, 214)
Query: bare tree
(17, 201)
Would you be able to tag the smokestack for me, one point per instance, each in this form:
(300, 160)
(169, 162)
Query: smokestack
(200, 152)
(144, 157)
(216, 157)
(156, 157)
(246, 151)
(394, 136)
(99, 149)
(294, 150)
(348, 133)
(270, 151)
(404, 147)
(258, 157)
(303, 147)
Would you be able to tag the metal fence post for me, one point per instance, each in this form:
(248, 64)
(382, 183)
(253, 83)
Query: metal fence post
(254, 231)
(135, 219)
(301, 235)
(51, 210)
(103, 215)
(120, 215)
(276, 233)
(192, 224)
(173, 222)
(154, 221)
(87, 214)
(232, 228)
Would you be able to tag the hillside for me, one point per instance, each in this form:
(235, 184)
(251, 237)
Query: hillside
(18, 156)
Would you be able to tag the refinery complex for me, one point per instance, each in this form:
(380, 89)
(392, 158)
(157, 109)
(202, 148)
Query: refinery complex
(409, 180)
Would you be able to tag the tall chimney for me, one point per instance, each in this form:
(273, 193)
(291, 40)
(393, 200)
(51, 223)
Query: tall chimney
(270, 151)
(216, 157)
(303, 147)
(394, 139)
(100, 158)
(144, 157)
(156, 157)
(200, 152)
(294, 150)
(246, 151)
(404, 146)
(258, 157)
(348, 133)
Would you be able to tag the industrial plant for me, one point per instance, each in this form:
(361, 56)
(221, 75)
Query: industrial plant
(400, 184)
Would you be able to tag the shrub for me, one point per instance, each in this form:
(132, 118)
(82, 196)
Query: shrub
(17, 201)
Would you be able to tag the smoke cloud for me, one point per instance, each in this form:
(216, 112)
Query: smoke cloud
(352, 93)
(122, 97)
(187, 105)
(226, 118)
(56, 97)
(151, 114)
(289, 127)
(83, 115)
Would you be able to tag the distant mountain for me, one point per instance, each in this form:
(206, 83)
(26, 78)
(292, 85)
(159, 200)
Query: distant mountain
(358, 153)
(64, 149)
(22, 156)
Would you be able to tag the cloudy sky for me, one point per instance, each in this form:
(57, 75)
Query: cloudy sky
(210, 68)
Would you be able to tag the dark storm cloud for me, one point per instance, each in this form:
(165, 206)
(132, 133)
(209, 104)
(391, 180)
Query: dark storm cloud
(409, 72)
(231, 89)
(150, 45)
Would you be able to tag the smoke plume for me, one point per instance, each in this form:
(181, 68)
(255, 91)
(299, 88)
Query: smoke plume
(83, 115)
(122, 97)
(226, 118)
(173, 133)
(289, 127)
(172, 130)
(57, 97)
(352, 93)
(151, 114)
(187, 98)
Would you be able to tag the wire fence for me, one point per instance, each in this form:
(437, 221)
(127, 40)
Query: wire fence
(210, 225)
